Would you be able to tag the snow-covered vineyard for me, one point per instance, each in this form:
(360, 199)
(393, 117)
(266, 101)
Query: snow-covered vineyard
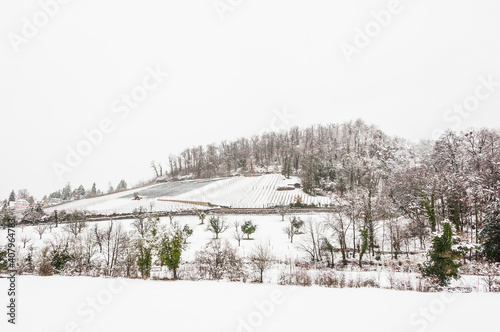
(236, 192)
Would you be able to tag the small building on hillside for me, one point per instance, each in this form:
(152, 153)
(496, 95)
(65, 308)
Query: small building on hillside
(19, 205)
(54, 201)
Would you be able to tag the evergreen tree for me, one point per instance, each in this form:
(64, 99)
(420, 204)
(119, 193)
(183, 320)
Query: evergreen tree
(431, 212)
(364, 245)
(147, 242)
(287, 167)
(144, 257)
(443, 259)
(3, 260)
(59, 258)
(172, 245)
(188, 231)
(80, 191)
(201, 215)
(56, 218)
(66, 192)
(248, 228)
(122, 185)
(12, 197)
(93, 191)
(491, 236)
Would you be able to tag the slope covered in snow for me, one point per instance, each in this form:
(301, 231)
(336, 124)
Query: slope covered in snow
(237, 192)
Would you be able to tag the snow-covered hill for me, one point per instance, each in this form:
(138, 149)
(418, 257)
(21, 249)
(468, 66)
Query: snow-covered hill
(237, 192)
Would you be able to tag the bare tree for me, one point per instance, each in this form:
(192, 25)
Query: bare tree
(490, 277)
(283, 210)
(170, 216)
(75, 228)
(340, 223)
(139, 221)
(218, 260)
(40, 229)
(312, 243)
(353, 212)
(25, 239)
(157, 168)
(261, 260)
(238, 234)
(112, 243)
(90, 248)
(396, 234)
(98, 236)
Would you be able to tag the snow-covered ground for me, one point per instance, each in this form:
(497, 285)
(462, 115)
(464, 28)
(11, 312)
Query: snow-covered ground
(54, 304)
(236, 192)
(269, 231)
(103, 304)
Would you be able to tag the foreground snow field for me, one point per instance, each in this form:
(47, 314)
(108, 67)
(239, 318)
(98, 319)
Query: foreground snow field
(65, 304)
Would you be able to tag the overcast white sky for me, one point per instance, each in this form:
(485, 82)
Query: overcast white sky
(227, 76)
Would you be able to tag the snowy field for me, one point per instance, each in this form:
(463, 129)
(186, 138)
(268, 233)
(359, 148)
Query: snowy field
(236, 192)
(54, 304)
(269, 233)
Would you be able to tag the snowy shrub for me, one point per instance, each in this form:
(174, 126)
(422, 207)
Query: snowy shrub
(370, 283)
(302, 278)
(401, 284)
(44, 266)
(299, 277)
(490, 276)
(425, 285)
(342, 282)
(188, 271)
(219, 260)
(327, 278)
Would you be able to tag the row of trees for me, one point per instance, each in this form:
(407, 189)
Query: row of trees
(111, 251)
(108, 250)
(67, 193)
